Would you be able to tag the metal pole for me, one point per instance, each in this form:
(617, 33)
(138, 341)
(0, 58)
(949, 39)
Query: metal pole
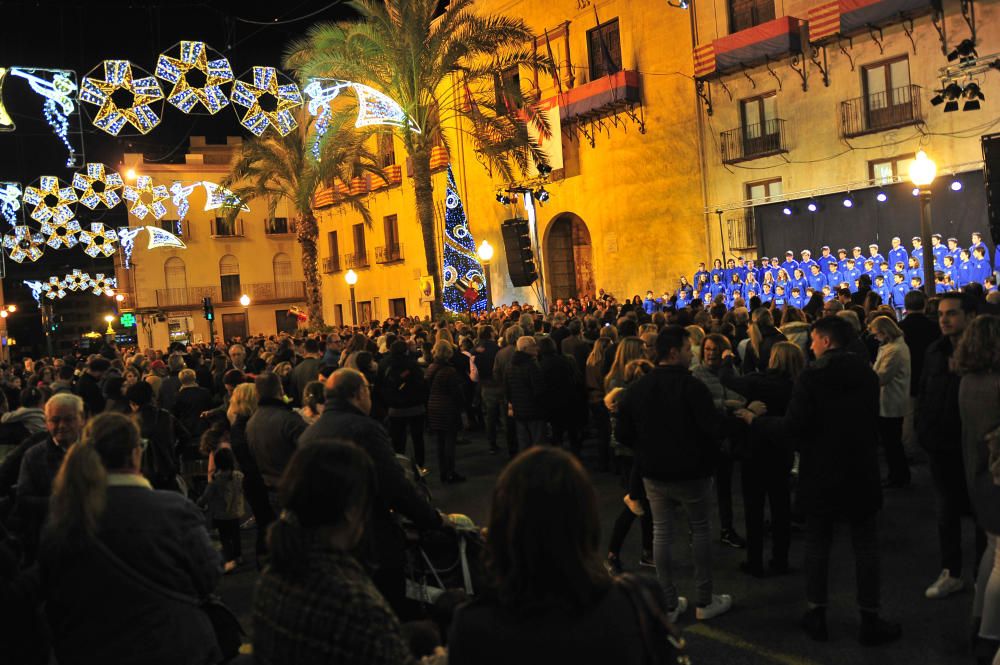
(246, 322)
(486, 285)
(925, 240)
(529, 207)
(354, 309)
(722, 240)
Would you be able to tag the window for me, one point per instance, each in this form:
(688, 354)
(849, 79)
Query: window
(507, 89)
(391, 227)
(364, 312)
(229, 276)
(397, 308)
(234, 325)
(175, 279)
(276, 225)
(224, 227)
(338, 315)
(763, 189)
(282, 266)
(360, 250)
(331, 264)
(888, 170)
(887, 93)
(759, 117)
(172, 226)
(386, 150)
(745, 14)
(604, 49)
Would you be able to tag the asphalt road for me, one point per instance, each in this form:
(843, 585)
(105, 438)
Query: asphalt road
(762, 627)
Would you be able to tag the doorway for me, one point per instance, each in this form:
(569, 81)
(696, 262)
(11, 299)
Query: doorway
(569, 262)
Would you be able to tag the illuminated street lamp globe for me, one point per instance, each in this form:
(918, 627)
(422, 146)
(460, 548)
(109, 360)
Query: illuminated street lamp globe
(245, 300)
(485, 252)
(3, 314)
(119, 297)
(11, 308)
(109, 318)
(922, 170)
(351, 278)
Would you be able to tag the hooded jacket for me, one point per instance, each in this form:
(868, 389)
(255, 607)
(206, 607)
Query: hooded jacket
(32, 420)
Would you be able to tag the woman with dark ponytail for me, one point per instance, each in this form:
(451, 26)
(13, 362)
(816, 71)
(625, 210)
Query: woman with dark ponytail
(118, 558)
(314, 602)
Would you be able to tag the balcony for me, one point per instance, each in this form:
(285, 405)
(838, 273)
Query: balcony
(753, 141)
(227, 228)
(355, 261)
(389, 254)
(278, 226)
(880, 111)
(331, 265)
(260, 293)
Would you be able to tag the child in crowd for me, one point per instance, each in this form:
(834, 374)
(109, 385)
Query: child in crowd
(223, 501)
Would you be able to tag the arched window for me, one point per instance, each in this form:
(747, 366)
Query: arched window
(282, 264)
(229, 276)
(175, 279)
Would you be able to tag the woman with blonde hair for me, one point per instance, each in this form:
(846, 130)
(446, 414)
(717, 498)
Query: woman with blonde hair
(628, 349)
(892, 364)
(763, 336)
(594, 378)
(697, 335)
(242, 405)
(794, 327)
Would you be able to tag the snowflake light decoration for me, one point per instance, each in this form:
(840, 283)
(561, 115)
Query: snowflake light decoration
(10, 202)
(267, 103)
(220, 197)
(53, 200)
(102, 285)
(98, 186)
(137, 95)
(180, 198)
(77, 280)
(98, 240)
(157, 195)
(126, 238)
(23, 244)
(194, 60)
(160, 238)
(60, 236)
(54, 288)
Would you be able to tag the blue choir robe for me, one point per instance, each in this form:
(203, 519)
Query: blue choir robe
(698, 275)
(824, 262)
(899, 292)
(790, 266)
(964, 274)
(898, 255)
(817, 282)
(851, 277)
(939, 253)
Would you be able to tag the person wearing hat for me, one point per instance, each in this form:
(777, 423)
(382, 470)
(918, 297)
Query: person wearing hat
(874, 255)
(898, 253)
(790, 263)
(977, 241)
(918, 250)
(856, 254)
(841, 259)
(824, 259)
(938, 250)
(807, 262)
(159, 368)
(953, 250)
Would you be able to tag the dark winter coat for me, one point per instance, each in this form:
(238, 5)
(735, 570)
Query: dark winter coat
(562, 383)
(918, 332)
(401, 382)
(445, 401)
(526, 387)
(936, 418)
(190, 403)
(90, 392)
(271, 434)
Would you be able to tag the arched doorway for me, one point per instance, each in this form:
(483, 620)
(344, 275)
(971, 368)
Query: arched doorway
(569, 262)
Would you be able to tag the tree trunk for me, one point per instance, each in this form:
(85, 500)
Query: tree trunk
(307, 231)
(424, 194)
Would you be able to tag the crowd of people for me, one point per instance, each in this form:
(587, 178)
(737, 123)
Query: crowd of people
(118, 463)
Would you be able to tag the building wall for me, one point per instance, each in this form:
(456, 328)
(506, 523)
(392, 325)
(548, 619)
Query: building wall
(146, 284)
(819, 160)
(635, 192)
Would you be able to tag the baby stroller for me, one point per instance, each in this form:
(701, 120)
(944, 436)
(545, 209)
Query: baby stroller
(445, 559)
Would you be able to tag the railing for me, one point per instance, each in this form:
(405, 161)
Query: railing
(880, 111)
(331, 265)
(259, 292)
(389, 254)
(189, 296)
(753, 141)
(742, 230)
(265, 291)
(223, 228)
(355, 261)
(278, 226)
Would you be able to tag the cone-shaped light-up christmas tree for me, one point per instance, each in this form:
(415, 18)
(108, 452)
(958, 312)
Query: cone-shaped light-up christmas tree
(462, 274)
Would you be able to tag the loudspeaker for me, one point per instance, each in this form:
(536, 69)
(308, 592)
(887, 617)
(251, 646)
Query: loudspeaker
(520, 258)
(991, 170)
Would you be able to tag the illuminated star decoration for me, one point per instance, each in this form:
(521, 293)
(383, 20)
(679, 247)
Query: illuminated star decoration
(180, 198)
(54, 288)
(279, 102)
(77, 280)
(59, 103)
(126, 238)
(157, 195)
(10, 202)
(220, 197)
(23, 244)
(160, 238)
(61, 235)
(52, 200)
(103, 285)
(141, 92)
(98, 186)
(463, 281)
(6, 122)
(194, 57)
(98, 240)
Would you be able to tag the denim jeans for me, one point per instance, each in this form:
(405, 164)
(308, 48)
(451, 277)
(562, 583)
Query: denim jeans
(694, 497)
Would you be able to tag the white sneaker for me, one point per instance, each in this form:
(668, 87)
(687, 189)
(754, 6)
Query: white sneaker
(682, 605)
(721, 603)
(945, 585)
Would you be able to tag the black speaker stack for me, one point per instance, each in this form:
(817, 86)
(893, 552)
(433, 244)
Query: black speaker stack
(991, 170)
(520, 258)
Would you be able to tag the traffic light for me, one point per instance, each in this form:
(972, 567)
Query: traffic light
(520, 258)
(206, 304)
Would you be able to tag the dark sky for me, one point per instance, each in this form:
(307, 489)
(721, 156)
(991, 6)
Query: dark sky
(79, 36)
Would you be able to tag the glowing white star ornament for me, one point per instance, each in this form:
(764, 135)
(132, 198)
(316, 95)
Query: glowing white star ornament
(53, 200)
(77, 280)
(103, 285)
(97, 185)
(23, 244)
(196, 79)
(146, 198)
(59, 236)
(99, 240)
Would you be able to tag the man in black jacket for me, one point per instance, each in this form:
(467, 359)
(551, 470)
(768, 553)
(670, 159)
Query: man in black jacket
(838, 476)
(88, 386)
(490, 389)
(345, 416)
(273, 430)
(939, 432)
(525, 387)
(404, 392)
(918, 333)
(677, 465)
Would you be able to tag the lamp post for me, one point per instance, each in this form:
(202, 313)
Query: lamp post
(110, 331)
(352, 278)
(922, 172)
(485, 252)
(245, 301)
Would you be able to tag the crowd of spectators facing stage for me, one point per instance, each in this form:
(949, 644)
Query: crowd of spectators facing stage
(117, 464)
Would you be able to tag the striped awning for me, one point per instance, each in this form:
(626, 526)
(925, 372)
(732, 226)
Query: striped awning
(704, 60)
(824, 21)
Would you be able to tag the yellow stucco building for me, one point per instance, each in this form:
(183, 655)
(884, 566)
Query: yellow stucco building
(253, 255)
(625, 198)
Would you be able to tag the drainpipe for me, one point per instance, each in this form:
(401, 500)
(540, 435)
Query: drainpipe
(702, 158)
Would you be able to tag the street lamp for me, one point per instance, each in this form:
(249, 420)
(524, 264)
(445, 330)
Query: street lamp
(110, 331)
(352, 278)
(11, 308)
(922, 172)
(485, 252)
(245, 301)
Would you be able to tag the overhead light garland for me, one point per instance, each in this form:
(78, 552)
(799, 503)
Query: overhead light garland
(10, 202)
(180, 198)
(160, 238)
(319, 107)
(279, 102)
(97, 185)
(53, 200)
(55, 287)
(59, 236)
(77, 280)
(194, 60)
(102, 285)
(220, 197)
(59, 105)
(157, 195)
(126, 239)
(23, 244)
(139, 94)
(98, 240)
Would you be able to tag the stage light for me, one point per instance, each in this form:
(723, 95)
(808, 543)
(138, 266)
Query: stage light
(881, 197)
(544, 169)
(916, 191)
(973, 95)
(956, 185)
(966, 50)
(848, 201)
(787, 210)
(812, 206)
(542, 195)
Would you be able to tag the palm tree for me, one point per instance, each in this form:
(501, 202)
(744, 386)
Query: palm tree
(444, 70)
(282, 168)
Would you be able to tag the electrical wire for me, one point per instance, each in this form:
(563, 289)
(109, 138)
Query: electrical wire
(290, 20)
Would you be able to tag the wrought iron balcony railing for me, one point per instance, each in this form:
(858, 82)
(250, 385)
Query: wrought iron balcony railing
(880, 111)
(352, 261)
(753, 141)
(389, 254)
(331, 265)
